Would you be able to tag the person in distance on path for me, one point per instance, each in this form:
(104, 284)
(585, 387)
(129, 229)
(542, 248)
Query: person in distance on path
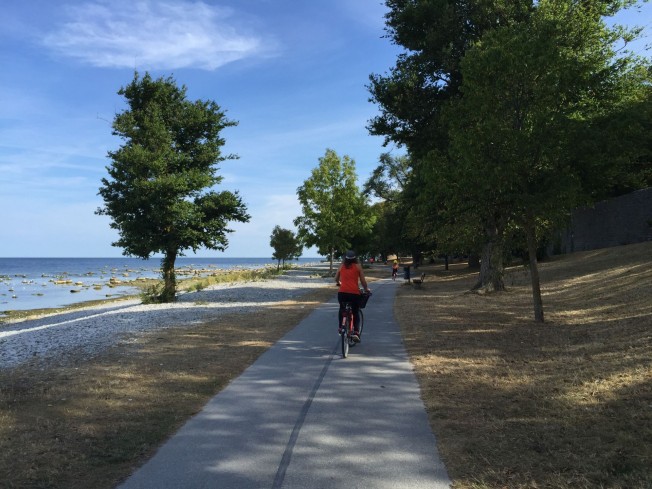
(347, 278)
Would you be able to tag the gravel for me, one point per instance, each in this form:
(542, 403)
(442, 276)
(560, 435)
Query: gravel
(91, 330)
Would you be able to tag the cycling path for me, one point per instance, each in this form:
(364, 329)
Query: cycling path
(303, 417)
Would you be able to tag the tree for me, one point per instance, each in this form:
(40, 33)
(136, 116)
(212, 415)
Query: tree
(286, 245)
(435, 34)
(389, 178)
(471, 171)
(413, 99)
(529, 89)
(386, 184)
(158, 195)
(335, 212)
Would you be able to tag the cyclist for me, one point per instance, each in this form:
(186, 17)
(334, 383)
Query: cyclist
(347, 277)
(394, 269)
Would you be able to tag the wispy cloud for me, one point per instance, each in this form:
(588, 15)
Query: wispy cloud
(155, 35)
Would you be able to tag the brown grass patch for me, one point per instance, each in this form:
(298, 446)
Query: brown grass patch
(89, 423)
(516, 404)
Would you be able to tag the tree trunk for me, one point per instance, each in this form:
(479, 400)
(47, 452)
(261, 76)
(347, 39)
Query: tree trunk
(530, 230)
(416, 259)
(169, 277)
(491, 265)
(331, 257)
(446, 262)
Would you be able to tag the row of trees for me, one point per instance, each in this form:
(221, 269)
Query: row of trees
(512, 113)
(336, 214)
(161, 192)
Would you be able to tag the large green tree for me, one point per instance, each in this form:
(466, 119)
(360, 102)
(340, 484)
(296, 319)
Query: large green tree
(529, 90)
(396, 230)
(160, 194)
(286, 245)
(413, 99)
(422, 103)
(336, 213)
(435, 35)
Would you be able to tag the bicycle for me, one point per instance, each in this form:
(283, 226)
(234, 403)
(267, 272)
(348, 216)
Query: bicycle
(346, 327)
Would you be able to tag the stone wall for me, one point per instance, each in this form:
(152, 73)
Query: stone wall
(619, 221)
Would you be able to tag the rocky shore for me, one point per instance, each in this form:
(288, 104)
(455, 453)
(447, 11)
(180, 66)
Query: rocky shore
(90, 330)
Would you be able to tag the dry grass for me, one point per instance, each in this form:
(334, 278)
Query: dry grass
(515, 404)
(87, 424)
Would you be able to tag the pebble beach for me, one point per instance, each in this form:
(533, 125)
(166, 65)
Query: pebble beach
(90, 330)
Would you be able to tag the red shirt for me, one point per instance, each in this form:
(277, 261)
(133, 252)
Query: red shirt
(349, 279)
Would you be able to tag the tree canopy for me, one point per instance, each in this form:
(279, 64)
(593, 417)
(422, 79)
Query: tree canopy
(286, 245)
(336, 213)
(512, 113)
(160, 193)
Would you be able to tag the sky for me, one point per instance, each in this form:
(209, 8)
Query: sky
(293, 73)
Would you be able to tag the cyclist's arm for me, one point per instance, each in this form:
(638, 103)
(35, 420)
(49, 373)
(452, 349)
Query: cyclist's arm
(363, 280)
(337, 276)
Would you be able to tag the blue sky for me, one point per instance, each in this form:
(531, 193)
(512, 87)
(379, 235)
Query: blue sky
(291, 72)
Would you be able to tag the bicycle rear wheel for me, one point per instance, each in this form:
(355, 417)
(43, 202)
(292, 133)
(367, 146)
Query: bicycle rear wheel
(345, 339)
(361, 325)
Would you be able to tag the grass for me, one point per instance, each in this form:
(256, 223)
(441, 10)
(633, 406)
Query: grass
(514, 404)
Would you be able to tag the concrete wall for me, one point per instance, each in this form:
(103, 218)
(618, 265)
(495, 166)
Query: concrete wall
(622, 220)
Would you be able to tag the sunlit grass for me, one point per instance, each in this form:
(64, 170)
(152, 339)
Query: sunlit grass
(518, 404)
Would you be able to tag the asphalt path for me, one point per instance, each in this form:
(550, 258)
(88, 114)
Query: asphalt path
(303, 417)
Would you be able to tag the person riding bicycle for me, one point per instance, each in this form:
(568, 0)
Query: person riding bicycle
(394, 269)
(347, 277)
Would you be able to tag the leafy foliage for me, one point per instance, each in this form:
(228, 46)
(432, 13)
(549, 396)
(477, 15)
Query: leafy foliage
(158, 193)
(512, 113)
(335, 212)
(286, 245)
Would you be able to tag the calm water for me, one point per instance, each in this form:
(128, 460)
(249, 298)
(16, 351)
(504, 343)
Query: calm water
(29, 283)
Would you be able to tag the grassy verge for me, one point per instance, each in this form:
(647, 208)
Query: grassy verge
(515, 404)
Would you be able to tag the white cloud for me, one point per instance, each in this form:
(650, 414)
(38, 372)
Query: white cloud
(155, 35)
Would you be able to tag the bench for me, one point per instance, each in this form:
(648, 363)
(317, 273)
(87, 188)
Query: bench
(419, 281)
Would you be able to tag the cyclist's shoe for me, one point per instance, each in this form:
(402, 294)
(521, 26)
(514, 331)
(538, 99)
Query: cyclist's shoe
(340, 330)
(355, 337)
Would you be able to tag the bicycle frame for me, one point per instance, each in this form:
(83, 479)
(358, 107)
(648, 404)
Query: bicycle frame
(347, 329)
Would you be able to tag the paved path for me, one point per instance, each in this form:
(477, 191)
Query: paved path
(303, 417)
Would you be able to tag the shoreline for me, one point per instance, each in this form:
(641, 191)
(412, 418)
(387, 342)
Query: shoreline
(52, 283)
(90, 329)
(125, 290)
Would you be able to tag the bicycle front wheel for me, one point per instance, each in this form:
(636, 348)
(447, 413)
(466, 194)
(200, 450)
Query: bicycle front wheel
(345, 336)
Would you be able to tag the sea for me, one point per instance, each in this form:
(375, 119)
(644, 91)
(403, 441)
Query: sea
(41, 283)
